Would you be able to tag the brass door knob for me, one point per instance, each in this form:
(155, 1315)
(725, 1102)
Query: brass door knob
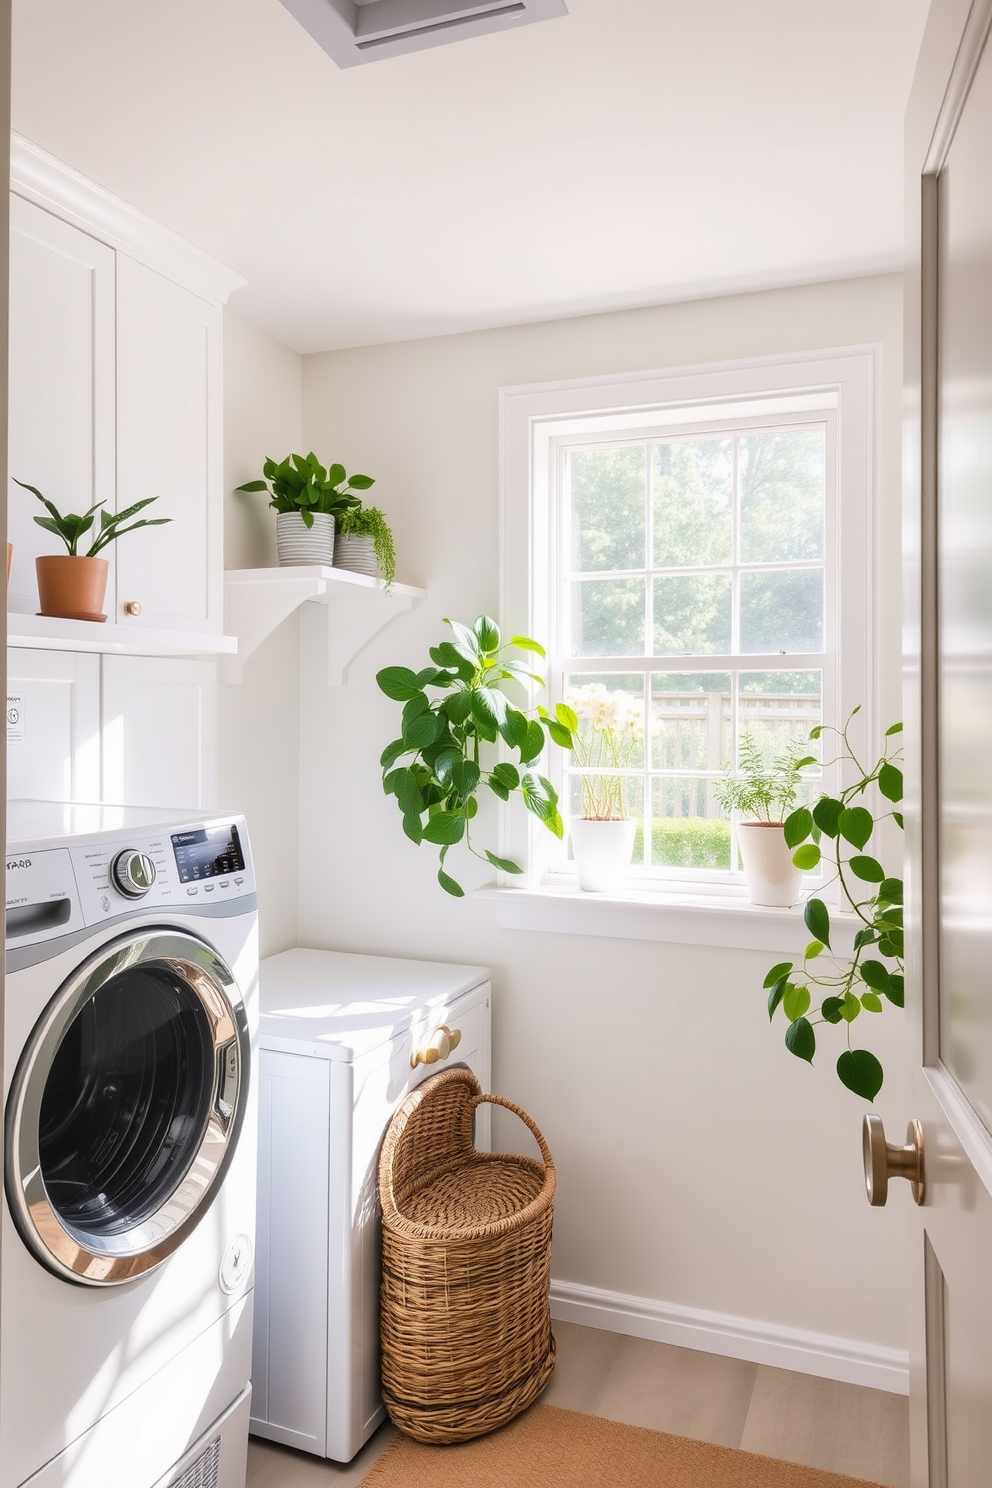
(133, 607)
(438, 1045)
(883, 1160)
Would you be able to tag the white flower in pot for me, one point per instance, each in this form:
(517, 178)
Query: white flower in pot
(609, 735)
(306, 498)
(764, 789)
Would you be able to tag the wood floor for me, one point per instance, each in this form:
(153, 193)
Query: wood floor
(841, 1428)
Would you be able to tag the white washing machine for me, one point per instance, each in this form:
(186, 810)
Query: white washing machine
(130, 1156)
(343, 1039)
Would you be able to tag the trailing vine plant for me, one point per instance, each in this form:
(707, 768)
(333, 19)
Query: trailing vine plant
(448, 737)
(836, 831)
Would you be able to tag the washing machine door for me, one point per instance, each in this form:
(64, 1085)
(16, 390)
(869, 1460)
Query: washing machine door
(126, 1107)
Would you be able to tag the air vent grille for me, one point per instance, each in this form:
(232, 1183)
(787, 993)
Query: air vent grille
(365, 31)
(203, 1472)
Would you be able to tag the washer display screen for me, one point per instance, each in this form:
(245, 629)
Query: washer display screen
(207, 853)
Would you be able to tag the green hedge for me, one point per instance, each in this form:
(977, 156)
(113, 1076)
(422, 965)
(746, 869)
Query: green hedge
(687, 842)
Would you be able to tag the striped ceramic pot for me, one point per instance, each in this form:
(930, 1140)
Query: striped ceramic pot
(297, 543)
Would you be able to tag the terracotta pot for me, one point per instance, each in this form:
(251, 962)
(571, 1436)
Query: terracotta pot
(72, 588)
(772, 877)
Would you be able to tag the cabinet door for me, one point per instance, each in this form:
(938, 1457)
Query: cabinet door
(61, 403)
(169, 445)
(53, 726)
(159, 731)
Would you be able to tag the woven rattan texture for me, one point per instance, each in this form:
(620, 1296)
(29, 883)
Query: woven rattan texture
(466, 1267)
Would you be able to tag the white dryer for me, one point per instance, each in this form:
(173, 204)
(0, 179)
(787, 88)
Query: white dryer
(130, 1149)
(343, 1039)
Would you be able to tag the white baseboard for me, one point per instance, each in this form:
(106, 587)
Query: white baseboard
(738, 1338)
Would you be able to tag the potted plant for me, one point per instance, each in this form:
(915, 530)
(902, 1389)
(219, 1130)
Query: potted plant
(364, 543)
(73, 585)
(307, 498)
(764, 789)
(445, 740)
(609, 732)
(837, 831)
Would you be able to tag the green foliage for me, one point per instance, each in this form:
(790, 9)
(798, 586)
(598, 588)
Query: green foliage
(369, 521)
(301, 484)
(70, 528)
(687, 842)
(764, 786)
(445, 738)
(873, 975)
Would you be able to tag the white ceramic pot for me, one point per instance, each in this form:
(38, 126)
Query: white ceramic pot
(355, 553)
(601, 850)
(772, 877)
(297, 543)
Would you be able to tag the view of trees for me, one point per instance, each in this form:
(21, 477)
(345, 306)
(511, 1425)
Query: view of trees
(727, 521)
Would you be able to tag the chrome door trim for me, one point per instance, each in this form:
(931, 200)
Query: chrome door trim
(112, 1260)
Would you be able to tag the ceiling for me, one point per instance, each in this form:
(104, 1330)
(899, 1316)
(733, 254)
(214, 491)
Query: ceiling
(631, 152)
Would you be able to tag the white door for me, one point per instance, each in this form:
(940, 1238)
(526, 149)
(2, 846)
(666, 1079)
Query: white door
(61, 398)
(949, 738)
(169, 445)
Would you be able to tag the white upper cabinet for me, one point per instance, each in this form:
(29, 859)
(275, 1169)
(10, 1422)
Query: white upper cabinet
(169, 433)
(61, 381)
(116, 393)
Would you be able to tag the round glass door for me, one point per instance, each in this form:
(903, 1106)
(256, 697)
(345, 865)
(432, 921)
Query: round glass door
(126, 1107)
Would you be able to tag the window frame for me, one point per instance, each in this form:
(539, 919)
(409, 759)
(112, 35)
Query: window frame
(536, 420)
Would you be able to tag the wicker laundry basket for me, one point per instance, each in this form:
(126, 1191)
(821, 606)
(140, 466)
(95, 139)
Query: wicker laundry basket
(466, 1267)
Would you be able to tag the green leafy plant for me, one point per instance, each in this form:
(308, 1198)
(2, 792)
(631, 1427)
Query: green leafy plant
(446, 735)
(71, 528)
(369, 521)
(836, 832)
(301, 484)
(764, 787)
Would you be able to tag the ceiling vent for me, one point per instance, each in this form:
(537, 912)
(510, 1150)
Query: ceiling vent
(355, 31)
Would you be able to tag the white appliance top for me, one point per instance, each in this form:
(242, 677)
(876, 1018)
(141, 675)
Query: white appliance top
(341, 1005)
(71, 867)
(37, 822)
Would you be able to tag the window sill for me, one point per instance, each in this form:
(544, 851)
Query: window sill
(683, 918)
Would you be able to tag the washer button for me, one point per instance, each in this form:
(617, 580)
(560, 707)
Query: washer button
(192, 892)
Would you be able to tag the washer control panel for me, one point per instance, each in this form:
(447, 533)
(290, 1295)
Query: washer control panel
(53, 891)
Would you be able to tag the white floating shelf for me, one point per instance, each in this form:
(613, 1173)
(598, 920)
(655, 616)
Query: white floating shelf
(47, 633)
(347, 609)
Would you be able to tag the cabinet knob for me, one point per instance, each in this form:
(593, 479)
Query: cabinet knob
(437, 1046)
(133, 607)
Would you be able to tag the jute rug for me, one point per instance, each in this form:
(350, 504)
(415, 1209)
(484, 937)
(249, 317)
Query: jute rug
(551, 1448)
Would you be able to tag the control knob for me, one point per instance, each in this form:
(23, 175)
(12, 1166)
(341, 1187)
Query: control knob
(132, 873)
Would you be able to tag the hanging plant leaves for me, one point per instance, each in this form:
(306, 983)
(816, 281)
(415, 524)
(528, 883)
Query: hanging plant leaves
(445, 735)
(817, 920)
(872, 897)
(856, 825)
(861, 1072)
(801, 1040)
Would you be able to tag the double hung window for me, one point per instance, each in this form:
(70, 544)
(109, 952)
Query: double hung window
(693, 548)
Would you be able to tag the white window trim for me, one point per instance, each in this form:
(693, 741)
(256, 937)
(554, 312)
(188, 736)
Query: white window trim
(846, 378)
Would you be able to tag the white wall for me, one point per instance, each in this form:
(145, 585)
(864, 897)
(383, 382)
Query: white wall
(699, 1164)
(259, 719)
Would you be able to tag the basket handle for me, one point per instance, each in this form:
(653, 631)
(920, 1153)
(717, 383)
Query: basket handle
(500, 1100)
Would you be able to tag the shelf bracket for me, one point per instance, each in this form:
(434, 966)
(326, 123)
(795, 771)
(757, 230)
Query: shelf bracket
(340, 613)
(334, 630)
